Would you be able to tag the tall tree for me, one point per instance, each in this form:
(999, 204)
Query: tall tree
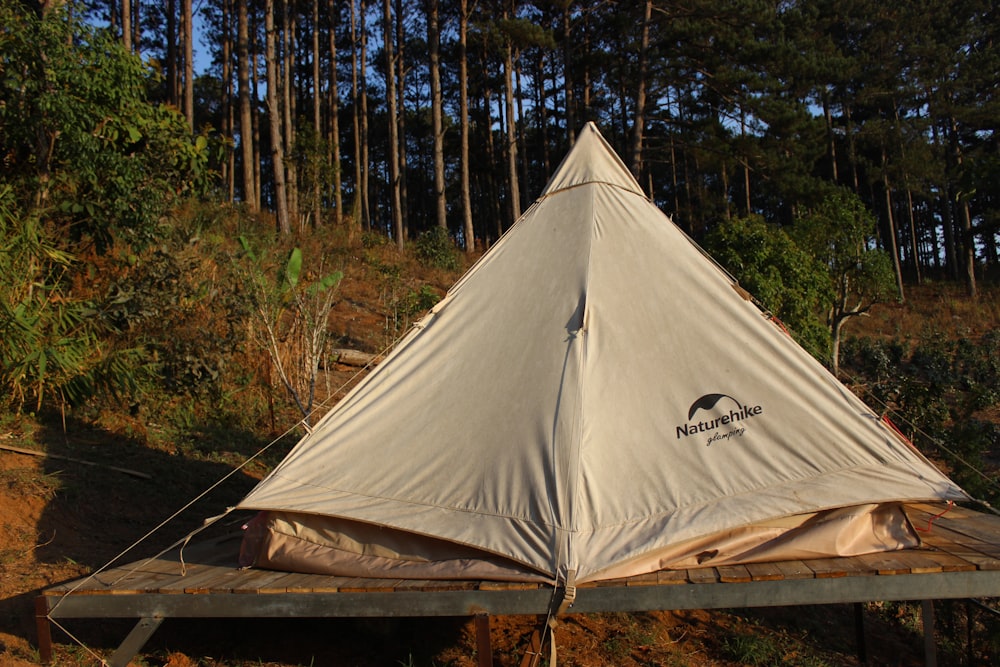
(635, 153)
(274, 113)
(317, 104)
(437, 110)
(513, 186)
(463, 112)
(288, 110)
(127, 24)
(333, 104)
(187, 30)
(392, 155)
(246, 112)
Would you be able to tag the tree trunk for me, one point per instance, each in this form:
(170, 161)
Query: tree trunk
(401, 116)
(173, 88)
(522, 148)
(274, 117)
(365, 205)
(393, 149)
(463, 111)
(514, 187)
(257, 143)
(433, 48)
(568, 74)
(317, 192)
(334, 111)
(288, 113)
(187, 28)
(246, 121)
(127, 24)
(965, 219)
(228, 130)
(635, 154)
(891, 231)
(356, 207)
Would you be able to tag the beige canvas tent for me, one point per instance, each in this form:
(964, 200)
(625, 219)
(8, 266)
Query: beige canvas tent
(593, 399)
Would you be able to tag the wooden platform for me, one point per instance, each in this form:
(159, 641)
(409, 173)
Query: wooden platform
(960, 558)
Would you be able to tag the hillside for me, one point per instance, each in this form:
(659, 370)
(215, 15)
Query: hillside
(119, 475)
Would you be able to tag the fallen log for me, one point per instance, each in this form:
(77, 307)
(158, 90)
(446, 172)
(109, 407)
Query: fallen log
(352, 357)
(47, 455)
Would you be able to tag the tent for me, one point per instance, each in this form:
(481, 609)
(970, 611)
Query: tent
(595, 398)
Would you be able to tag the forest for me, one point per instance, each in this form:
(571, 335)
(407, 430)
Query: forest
(831, 155)
(204, 207)
(400, 116)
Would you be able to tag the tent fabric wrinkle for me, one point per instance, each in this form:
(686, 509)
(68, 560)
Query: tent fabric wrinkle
(593, 396)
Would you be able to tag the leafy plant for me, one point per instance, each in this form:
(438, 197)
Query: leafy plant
(288, 318)
(436, 248)
(49, 339)
(785, 278)
(839, 233)
(80, 141)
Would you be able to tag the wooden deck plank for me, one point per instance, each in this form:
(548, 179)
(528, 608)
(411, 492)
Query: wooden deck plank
(671, 577)
(731, 574)
(795, 569)
(649, 579)
(948, 562)
(885, 563)
(985, 556)
(918, 562)
(703, 575)
(507, 586)
(312, 583)
(254, 582)
(218, 579)
(765, 571)
(826, 568)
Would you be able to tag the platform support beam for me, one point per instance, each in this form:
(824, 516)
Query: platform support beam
(859, 632)
(930, 646)
(484, 644)
(135, 640)
(44, 629)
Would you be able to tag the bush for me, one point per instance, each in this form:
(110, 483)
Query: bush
(435, 248)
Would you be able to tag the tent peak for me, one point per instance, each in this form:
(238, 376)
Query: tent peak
(592, 160)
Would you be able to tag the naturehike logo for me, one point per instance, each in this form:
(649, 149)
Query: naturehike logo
(718, 427)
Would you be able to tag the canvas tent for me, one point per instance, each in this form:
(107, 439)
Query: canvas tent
(593, 399)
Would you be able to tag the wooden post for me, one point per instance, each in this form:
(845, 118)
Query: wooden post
(44, 629)
(484, 646)
(859, 631)
(930, 648)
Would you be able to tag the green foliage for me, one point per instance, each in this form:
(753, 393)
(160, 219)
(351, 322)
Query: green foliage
(435, 248)
(939, 388)
(50, 339)
(785, 278)
(840, 232)
(79, 139)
